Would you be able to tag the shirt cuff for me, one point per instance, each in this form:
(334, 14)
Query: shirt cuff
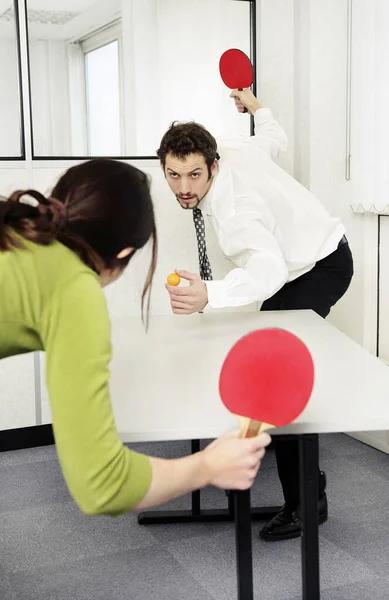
(217, 294)
(262, 115)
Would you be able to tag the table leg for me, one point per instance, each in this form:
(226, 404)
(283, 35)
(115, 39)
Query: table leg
(26, 437)
(244, 555)
(309, 492)
(211, 515)
(196, 503)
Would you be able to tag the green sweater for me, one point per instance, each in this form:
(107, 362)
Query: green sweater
(51, 301)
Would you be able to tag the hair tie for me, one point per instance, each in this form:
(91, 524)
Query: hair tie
(57, 210)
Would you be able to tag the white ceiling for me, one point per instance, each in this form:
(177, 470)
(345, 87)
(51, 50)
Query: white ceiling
(69, 19)
(5, 10)
(50, 17)
(60, 5)
(63, 19)
(52, 6)
(5, 5)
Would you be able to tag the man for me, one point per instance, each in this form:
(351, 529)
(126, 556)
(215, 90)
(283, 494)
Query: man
(288, 251)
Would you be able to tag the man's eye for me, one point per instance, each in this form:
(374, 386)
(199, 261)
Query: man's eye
(195, 175)
(174, 175)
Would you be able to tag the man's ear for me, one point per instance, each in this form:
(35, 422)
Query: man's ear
(214, 167)
(125, 252)
(162, 167)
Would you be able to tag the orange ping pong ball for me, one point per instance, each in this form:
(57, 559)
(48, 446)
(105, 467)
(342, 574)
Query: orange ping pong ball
(173, 279)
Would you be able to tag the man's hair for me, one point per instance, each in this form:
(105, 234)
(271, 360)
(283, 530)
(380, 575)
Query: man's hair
(182, 139)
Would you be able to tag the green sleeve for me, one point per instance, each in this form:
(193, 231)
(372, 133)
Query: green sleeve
(103, 475)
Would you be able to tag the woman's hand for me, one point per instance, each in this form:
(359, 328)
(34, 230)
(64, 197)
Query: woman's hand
(233, 463)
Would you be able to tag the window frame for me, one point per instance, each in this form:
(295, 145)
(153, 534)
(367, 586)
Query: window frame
(124, 156)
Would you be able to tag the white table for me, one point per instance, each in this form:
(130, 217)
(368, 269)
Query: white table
(165, 383)
(165, 387)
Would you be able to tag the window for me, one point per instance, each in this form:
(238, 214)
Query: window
(102, 53)
(108, 78)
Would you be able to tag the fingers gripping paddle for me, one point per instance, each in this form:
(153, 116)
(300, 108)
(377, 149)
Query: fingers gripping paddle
(236, 70)
(266, 380)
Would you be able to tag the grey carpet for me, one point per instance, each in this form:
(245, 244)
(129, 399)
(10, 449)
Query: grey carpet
(50, 551)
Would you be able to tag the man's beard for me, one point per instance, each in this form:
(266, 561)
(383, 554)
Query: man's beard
(191, 205)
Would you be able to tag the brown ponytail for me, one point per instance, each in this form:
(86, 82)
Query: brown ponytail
(97, 209)
(41, 224)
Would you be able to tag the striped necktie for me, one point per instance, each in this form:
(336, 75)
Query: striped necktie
(204, 264)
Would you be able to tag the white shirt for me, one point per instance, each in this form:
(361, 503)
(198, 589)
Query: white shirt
(269, 225)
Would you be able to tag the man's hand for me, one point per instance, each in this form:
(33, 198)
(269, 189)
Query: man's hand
(190, 299)
(245, 99)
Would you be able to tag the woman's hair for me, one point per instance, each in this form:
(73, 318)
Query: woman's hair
(96, 209)
(182, 139)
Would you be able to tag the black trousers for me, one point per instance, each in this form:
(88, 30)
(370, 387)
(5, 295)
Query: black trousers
(318, 290)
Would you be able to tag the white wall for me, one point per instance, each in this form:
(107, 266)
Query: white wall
(302, 77)
(369, 167)
(50, 98)
(328, 68)
(384, 290)
(276, 72)
(9, 95)
(171, 52)
(17, 392)
(370, 160)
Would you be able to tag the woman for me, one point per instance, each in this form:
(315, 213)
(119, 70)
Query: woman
(54, 259)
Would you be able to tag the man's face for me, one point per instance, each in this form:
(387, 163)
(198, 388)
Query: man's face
(188, 178)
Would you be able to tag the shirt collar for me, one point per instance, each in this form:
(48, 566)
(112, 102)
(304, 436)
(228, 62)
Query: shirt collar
(206, 203)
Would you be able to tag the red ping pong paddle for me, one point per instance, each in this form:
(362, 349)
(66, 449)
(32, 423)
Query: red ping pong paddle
(266, 380)
(236, 70)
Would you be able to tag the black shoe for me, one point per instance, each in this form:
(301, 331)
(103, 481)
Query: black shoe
(286, 524)
(322, 484)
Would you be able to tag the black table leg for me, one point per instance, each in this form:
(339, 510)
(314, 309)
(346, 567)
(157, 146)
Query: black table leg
(244, 555)
(196, 503)
(209, 515)
(309, 493)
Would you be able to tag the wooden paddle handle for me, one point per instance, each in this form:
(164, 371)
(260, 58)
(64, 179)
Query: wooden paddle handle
(244, 108)
(251, 428)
